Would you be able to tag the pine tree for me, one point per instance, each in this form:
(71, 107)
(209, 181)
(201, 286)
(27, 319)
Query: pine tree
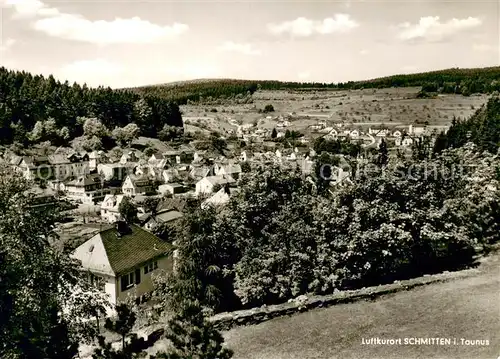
(383, 154)
(194, 337)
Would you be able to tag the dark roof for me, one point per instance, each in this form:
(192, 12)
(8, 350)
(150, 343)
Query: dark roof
(130, 250)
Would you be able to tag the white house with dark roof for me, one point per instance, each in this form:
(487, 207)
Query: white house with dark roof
(164, 216)
(206, 185)
(86, 189)
(120, 261)
(133, 186)
(110, 208)
(233, 170)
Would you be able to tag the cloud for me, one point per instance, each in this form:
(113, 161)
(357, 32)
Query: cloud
(484, 47)
(6, 44)
(52, 22)
(29, 8)
(245, 49)
(302, 27)
(431, 29)
(364, 52)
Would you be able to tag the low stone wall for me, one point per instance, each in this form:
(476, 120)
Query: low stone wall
(226, 321)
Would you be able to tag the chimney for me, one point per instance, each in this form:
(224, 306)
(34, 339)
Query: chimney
(122, 228)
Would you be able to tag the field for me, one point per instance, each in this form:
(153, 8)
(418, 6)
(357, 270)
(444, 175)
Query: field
(356, 108)
(462, 308)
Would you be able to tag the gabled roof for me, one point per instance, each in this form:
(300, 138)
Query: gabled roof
(157, 156)
(86, 180)
(113, 201)
(219, 198)
(232, 168)
(167, 216)
(109, 253)
(224, 179)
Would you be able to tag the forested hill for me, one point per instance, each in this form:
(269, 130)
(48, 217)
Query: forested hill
(27, 99)
(482, 128)
(460, 81)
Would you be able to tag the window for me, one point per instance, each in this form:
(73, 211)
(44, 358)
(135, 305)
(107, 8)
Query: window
(96, 281)
(127, 281)
(148, 268)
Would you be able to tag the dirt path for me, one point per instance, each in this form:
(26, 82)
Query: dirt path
(467, 308)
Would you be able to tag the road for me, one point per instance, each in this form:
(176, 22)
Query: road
(467, 308)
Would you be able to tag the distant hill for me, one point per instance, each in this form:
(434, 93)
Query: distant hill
(455, 80)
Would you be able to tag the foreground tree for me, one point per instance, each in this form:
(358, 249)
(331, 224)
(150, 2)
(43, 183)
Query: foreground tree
(128, 210)
(36, 280)
(193, 336)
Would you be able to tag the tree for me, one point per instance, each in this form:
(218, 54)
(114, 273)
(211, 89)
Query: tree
(128, 210)
(124, 323)
(94, 127)
(383, 154)
(245, 167)
(193, 336)
(274, 133)
(126, 135)
(269, 108)
(36, 279)
(200, 265)
(169, 133)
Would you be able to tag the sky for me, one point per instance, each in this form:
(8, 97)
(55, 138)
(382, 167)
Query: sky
(134, 43)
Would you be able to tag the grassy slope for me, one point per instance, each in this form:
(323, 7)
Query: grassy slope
(464, 308)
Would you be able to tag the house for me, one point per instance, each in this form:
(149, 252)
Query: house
(155, 159)
(96, 158)
(165, 216)
(69, 166)
(169, 176)
(172, 156)
(86, 189)
(120, 261)
(109, 208)
(206, 185)
(133, 186)
(232, 170)
(220, 198)
(197, 173)
(33, 168)
(115, 172)
(43, 199)
(128, 157)
(172, 188)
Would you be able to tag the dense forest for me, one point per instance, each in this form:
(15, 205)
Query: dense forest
(27, 99)
(482, 128)
(459, 81)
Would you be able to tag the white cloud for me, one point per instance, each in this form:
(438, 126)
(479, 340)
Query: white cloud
(76, 27)
(302, 27)
(245, 49)
(6, 44)
(430, 28)
(484, 48)
(304, 75)
(29, 8)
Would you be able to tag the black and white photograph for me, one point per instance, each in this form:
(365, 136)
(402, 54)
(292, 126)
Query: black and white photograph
(249, 179)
